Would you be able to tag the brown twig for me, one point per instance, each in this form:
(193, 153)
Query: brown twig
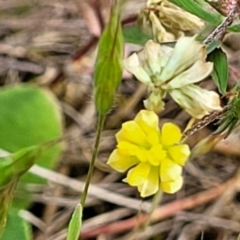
(222, 27)
(204, 122)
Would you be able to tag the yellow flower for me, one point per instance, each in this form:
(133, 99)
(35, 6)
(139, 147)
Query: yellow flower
(153, 157)
(174, 71)
(167, 22)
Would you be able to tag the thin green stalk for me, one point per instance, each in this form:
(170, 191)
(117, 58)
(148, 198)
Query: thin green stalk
(156, 199)
(75, 224)
(101, 119)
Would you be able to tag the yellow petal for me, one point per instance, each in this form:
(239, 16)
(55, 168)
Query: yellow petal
(142, 155)
(171, 134)
(120, 162)
(151, 184)
(172, 187)
(145, 177)
(148, 121)
(127, 148)
(156, 155)
(179, 153)
(169, 171)
(137, 175)
(132, 132)
(130, 149)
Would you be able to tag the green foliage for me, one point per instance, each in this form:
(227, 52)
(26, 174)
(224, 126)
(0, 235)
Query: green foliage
(75, 223)
(108, 69)
(16, 164)
(107, 77)
(220, 70)
(213, 45)
(231, 116)
(135, 35)
(6, 194)
(29, 116)
(196, 9)
(233, 28)
(17, 228)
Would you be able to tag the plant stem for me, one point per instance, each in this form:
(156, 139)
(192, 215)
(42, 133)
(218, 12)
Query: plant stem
(101, 119)
(156, 199)
(222, 27)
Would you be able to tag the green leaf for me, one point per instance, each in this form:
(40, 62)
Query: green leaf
(17, 228)
(194, 8)
(220, 69)
(12, 167)
(234, 28)
(29, 116)
(135, 35)
(16, 164)
(108, 69)
(75, 223)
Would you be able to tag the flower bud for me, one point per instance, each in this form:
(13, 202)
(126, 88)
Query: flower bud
(108, 70)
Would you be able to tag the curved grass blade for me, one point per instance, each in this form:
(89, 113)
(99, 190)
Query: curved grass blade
(196, 9)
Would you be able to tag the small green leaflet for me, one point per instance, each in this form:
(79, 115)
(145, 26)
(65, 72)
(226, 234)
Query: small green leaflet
(220, 69)
(75, 223)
